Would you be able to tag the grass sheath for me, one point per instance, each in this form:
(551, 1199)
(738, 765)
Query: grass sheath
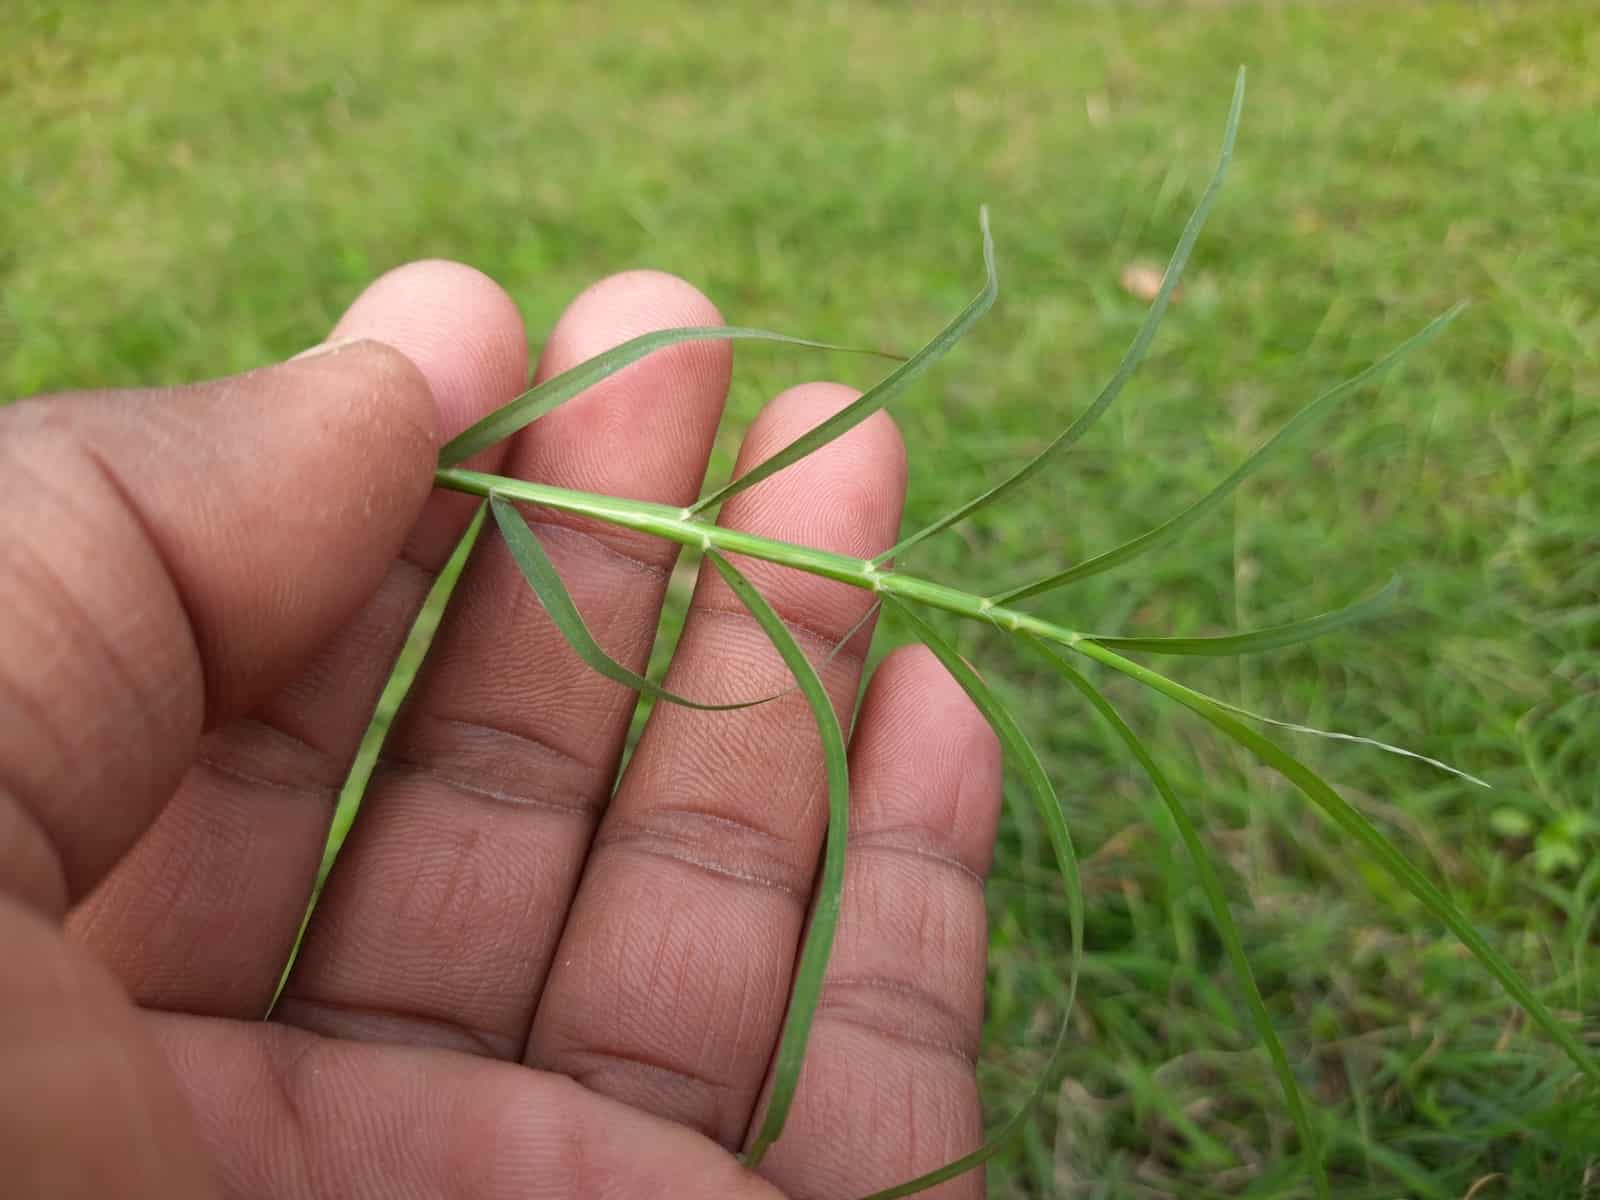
(910, 597)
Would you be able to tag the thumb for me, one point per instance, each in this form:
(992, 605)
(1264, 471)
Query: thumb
(170, 557)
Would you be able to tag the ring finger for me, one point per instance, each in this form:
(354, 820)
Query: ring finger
(671, 977)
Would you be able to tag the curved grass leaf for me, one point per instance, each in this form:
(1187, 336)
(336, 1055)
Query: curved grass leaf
(812, 967)
(875, 397)
(395, 689)
(1026, 760)
(1257, 640)
(1381, 850)
(1233, 944)
(1164, 533)
(536, 401)
(1333, 735)
(1130, 360)
(547, 584)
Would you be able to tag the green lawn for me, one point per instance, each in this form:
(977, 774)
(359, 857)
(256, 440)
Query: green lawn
(189, 189)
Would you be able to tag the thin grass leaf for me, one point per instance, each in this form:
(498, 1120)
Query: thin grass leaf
(1164, 533)
(407, 663)
(1130, 360)
(812, 967)
(537, 401)
(879, 394)
(1332, 735)
(1257, 640)
(547, 584)
(1220, 912)
(1026, 760)
(1382, 851)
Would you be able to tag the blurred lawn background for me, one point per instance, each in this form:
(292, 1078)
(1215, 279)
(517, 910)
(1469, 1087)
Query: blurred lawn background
(190, 189)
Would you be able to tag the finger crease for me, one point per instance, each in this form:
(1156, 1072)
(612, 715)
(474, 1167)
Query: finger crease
(817, 637)
(717, 845)
(700, 1112)
(516, 739)
(83, 625)
(263, 751)
(374, 1023)
(915, 1015)
(327, 792)
(899, 841)
(582, 804)
(639, 1058)
(881, 1028)
(112, 480)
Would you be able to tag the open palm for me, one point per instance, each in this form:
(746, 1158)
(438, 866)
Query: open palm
(209, 586)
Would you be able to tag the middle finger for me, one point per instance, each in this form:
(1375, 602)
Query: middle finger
(671, 977)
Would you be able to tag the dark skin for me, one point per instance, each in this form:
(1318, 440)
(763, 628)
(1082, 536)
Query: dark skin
(517, 985)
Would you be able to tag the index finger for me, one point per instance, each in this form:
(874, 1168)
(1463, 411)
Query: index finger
(238, 847)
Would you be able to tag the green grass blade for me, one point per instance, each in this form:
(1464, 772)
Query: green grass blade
(1258, 640)
(812, 967)
(1297, 424)
(1130, 360)
(1026, 760)
(395, 689)
(1333, 735)
(1233, 944)
(547, 584)
(875, 397)
(1381, 850)
(536, 401)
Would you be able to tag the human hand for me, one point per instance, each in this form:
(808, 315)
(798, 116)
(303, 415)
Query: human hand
(205, 590)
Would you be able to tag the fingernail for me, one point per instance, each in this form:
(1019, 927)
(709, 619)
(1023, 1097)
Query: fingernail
(327, 347)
